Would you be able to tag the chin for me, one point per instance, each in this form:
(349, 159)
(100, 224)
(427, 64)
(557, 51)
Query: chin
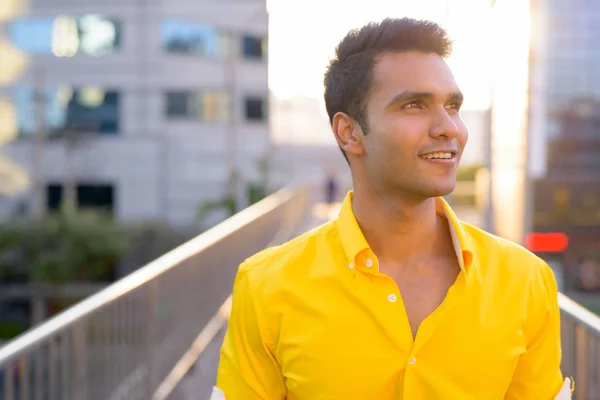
(439, 189)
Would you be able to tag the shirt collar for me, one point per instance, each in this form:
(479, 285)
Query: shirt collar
(354, 242)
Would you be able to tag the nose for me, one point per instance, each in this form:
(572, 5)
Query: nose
(443, 125)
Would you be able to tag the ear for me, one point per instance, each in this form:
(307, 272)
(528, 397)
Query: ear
(348, 133)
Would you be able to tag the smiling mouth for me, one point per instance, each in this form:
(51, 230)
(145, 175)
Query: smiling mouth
(441, 155)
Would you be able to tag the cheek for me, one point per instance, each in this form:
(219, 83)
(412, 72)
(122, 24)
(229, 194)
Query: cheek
(406, 133)
(395, 141)
(396, 156)
(396, 145)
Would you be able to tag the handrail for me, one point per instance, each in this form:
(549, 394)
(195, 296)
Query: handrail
(580, 342)
(141, 276)
(579, 313)
(219, 320)
(122, 336)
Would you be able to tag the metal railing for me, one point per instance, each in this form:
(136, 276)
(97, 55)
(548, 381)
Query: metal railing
(580, 331)
(124, 341)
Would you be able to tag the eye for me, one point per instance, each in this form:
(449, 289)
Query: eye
(454, 106)
(414, 104)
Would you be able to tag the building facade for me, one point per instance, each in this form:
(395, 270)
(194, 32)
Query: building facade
(149, 106)
(545, 126)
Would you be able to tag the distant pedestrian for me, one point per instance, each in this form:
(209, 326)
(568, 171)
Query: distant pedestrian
(571, 272)
(331, 188)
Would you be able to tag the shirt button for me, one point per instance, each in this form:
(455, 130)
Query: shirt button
(369, 263)
(392, 298)
(351, 266)
(413, 361)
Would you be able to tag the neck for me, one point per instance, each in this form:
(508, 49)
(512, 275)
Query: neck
(398, 228)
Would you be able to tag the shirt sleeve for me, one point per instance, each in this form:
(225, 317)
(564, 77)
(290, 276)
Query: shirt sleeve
(248, 369)
(538, 374)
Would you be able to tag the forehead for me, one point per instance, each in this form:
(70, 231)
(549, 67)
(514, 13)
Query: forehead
(420, 72)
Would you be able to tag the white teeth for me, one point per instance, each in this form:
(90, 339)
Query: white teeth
(438, 155)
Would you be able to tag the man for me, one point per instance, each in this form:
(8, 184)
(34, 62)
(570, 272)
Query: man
(331, 188)
(396, 299)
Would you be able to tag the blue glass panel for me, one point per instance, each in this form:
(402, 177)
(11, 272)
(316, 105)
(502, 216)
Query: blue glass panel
(32, 35)
(191, 37)
(93, 34)
(68, 109)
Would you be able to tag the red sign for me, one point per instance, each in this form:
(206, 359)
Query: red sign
(552, 242)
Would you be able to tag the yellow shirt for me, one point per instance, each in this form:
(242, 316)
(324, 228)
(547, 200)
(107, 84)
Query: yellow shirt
(314, 319)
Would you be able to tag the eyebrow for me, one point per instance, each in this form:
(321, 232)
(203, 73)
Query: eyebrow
(409, 95)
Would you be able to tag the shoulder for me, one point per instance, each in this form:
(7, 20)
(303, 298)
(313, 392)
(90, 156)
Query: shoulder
(269, 268)
(508, 271)
(503, 258)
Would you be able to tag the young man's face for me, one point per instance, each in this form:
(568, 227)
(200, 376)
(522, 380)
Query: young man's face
(416, 136)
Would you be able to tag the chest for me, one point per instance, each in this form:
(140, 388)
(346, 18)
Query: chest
(364, 350)
(422, 292)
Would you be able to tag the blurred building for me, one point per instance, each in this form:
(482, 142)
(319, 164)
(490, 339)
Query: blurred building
(546, 126)
(162, 100)
(300, 120)
(478, 124)
(312, 165)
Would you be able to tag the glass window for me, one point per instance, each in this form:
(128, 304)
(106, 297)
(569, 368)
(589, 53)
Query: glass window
(177, 104)
(32, 35)
(65, 36)
(209, 105)
(98, 35)
(87, 108)
(194, 38)
(256, 109)
(89, 196)
(254, 47)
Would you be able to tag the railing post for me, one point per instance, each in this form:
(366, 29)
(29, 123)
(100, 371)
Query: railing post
(39, 373)
(151, 336)
(568, 345)
(53, 370)
(66, 366)
(25, 377)
(597, 360)
(80, 364)
(9, 387)
(581, 363)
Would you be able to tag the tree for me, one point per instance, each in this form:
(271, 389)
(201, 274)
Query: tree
(61, 247)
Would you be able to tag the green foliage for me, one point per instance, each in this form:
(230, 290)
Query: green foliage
(228, 203)
(61, 247)
(262, 166)
(256, 192)
(11, 329)
(464, 200)
(467, 173)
